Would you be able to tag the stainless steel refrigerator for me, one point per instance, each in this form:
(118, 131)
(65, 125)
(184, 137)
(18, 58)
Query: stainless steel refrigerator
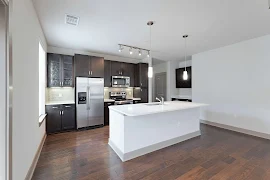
(89, 101)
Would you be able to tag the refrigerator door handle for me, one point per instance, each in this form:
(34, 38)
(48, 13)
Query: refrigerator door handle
(88, 98)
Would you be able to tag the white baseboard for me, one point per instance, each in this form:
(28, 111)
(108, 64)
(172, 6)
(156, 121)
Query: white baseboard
(133, 154)
(35, 160)
(236, 129)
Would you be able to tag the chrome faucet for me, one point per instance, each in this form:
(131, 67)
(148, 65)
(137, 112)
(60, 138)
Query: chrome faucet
(161, 101)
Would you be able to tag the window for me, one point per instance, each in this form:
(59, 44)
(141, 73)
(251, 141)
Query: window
(42, 81)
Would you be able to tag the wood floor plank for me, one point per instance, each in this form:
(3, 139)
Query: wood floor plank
(217, 154)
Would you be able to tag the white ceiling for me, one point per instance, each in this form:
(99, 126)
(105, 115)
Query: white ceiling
(106, 23)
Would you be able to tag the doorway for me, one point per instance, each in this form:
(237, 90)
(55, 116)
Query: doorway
(160, 85)
(4, 91)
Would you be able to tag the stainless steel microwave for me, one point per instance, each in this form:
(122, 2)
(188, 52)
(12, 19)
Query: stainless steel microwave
(120, 81)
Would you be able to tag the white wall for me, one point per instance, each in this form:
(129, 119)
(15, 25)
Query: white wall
(185, 91)
(159, 68)
(171, 82)
(234, 80)
(27, 134)
(2, 92)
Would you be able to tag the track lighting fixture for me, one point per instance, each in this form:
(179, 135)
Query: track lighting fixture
(131, 48)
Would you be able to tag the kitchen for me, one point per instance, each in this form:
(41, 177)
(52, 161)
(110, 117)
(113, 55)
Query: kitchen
(100, 66)
(120, 83)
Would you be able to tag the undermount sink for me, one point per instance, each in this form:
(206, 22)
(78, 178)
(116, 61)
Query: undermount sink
(154, 104)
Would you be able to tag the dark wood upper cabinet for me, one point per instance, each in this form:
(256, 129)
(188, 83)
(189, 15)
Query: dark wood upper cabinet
(82, 65)
(107, 73)
(144, 95)
(60, 70)
(129, 70)
(53, 70)
(116, 68)
(68, 71)
(89, 66)
(180, 82)
(96, 66)
(123, 69)
(141, 75)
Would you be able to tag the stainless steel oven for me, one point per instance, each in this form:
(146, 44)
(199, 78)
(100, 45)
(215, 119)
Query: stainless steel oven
(120, 81)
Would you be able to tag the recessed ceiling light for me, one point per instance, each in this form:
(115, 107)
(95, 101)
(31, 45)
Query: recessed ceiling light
(72, 20)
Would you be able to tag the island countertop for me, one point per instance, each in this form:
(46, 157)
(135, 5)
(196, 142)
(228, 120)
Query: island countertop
(150, 108)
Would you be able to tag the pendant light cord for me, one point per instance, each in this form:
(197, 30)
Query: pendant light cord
(185, 53)
(150, 41)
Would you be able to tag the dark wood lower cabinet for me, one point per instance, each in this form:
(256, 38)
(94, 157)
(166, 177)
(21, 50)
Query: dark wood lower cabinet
(53, 119)
(106, 113)
(68, 117)
(60, 118)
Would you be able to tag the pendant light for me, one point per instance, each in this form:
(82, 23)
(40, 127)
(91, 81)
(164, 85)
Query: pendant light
(185, 73)
(150, 68)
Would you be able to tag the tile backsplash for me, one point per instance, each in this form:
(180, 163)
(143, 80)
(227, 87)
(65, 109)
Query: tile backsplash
(60, 94)
(129, 92)
(68, 94)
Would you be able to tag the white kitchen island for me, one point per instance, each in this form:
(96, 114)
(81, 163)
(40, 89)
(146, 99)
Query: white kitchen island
(138, 129)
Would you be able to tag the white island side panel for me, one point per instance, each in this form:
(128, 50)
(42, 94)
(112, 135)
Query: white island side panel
(116, 131)
(144, 131)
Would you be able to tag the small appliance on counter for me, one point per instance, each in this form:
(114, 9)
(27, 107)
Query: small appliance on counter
(89, 101)
(120, 81)
(120, 98)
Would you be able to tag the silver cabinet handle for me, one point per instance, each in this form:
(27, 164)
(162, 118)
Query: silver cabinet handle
(55, 107)
(141, 84)
(67, 106)
(88, 72)
(62, 112)
(91, 72)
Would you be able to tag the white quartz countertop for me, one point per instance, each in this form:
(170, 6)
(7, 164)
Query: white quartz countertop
(59, 102)
(144, 109)
(181, 97)
(109, 100)
(137, 99)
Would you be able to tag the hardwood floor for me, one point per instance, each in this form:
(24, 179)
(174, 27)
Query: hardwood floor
(217, 154)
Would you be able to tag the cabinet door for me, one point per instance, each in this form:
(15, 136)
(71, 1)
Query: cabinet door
(82, 65)
(107, 73)
(53, 119)
(144, 95)
(68, 116)
(143, 75)
(97, 67)
(116, 68)
(67, 71)
(106, 112)
(129, 71)
(54, 74)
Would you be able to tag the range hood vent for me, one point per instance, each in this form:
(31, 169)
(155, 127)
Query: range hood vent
(72, 20)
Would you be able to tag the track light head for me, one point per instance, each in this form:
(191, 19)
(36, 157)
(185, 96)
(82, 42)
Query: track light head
(130, 51)
(120, 48)
(140, 52)
(148, 55)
